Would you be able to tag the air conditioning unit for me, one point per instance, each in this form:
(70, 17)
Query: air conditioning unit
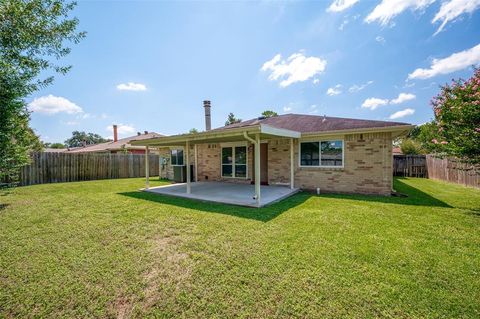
(180, 174)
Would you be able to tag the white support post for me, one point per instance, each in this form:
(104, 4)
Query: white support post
(159, 165)
(292, 167)
(187, 161)
(195, 167)
(147, 169)
(257, 168)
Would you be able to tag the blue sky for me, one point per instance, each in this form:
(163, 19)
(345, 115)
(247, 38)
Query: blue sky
(149, 65)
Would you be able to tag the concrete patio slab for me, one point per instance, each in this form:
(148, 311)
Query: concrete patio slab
(227, 193)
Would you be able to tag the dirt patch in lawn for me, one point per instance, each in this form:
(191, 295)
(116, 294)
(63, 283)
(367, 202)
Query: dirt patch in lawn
(169, 272)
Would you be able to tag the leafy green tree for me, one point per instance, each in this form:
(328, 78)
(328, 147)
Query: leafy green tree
(232, 119)
(33, 34)
(457, 115)
(269, 113)
(82, 139)
(54, 145)
(193, 131)
(425, 135)
(410, 147)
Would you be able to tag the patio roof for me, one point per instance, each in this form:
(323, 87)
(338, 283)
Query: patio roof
(228, 135)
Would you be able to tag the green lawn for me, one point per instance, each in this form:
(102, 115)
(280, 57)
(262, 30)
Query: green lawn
(103, 249)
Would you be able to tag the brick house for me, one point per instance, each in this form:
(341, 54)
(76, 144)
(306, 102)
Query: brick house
(117, 145)
(326, 154)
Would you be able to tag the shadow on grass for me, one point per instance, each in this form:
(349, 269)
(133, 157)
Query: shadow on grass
(414, 196)
(3, 206)
(263, 214)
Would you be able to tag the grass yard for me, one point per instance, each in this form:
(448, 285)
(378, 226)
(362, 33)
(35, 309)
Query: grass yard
(103, 249)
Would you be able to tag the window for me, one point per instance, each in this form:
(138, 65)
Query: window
(309, 154)
(227, 160)
(241, 161)
(332, 153)
(323, 153)
(176, 157)
(234, 161)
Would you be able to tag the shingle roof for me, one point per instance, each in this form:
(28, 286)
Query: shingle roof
(108, 146)
(313, 123)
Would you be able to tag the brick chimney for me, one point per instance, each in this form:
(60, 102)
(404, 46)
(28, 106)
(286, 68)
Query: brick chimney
(115, 133)
(208, 120)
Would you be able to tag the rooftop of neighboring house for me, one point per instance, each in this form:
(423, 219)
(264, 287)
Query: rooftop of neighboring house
(397, 151)
(116, 145)
(313, 123)
(55, 150)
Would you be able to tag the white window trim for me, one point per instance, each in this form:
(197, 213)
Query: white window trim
(183, 154)
(233, 145)
(320, 153)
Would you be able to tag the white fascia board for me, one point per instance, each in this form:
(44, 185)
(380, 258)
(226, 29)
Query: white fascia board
(271, 130)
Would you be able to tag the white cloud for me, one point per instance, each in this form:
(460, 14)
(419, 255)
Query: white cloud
(373, 102)
(313, 109)
(356, 88)
(456, 61)
(51, 104)
(122, 129)
(403, 97)
(71, 123)
(451, 10)
(380, 39)
(297, 68)
(131, 86)
(388, 9)
(287, 109)
(340, 5)
(316, 81)
(343, 24)
(402, 113)
(336, 90)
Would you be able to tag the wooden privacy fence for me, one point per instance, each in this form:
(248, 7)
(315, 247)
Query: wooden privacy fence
(452, 170)
(65, 167)
(410, 166)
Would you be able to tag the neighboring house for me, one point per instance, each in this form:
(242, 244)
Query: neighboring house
(310, 152)
(397, 151)
(55, 150)
(117, 145)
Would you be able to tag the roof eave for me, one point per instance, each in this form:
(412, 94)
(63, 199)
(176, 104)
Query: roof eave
(272, 130)
(396, 128)
(196, 137)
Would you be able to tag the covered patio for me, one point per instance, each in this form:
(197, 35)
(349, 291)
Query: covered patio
(219, 191)
(227, 193)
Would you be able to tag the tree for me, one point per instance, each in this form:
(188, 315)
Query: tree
(54, 145)
(410, 147)
(424, 135)
(82, 139)
(269, 113)
(232, 119)
(457, 115)
(32, 38)
(193, 131)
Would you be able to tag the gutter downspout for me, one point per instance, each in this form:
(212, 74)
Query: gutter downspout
(249, 138)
